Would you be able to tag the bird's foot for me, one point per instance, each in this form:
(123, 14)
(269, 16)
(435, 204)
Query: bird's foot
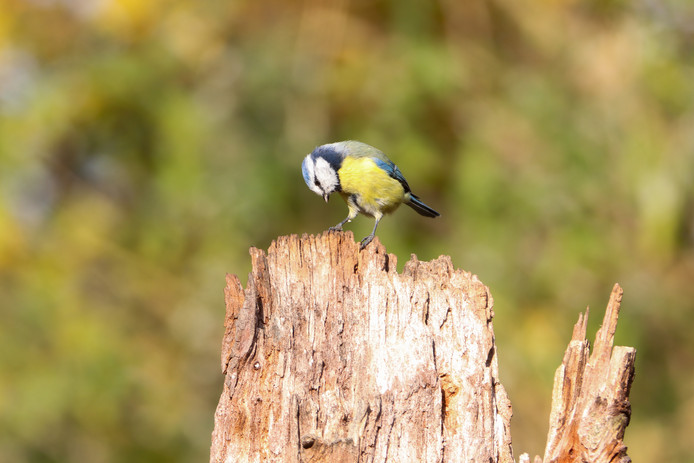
(338, 227)
(366, 241)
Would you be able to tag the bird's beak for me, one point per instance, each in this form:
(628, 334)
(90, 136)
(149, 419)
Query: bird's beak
(326, 196)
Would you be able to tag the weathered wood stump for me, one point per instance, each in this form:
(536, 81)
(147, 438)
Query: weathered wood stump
(329, 354)
(590, 400)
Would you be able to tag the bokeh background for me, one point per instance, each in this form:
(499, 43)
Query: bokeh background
(146, 145)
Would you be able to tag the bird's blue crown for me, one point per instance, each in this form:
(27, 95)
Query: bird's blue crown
(330, 154)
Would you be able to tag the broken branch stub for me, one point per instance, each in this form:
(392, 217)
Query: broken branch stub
(590, 400)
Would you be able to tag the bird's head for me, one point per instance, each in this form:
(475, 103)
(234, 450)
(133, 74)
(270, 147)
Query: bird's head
(320, 169)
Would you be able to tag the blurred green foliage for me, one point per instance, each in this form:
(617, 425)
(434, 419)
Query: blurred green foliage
(144, 146)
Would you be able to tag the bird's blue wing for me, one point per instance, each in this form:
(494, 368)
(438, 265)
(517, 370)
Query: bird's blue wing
(393, 171)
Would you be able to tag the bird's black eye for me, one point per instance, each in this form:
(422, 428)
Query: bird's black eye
(317, 183)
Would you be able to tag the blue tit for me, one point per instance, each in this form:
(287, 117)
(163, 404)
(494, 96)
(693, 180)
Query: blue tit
(365, 178)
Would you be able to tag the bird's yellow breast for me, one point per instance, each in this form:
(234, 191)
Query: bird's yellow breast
(376, 191)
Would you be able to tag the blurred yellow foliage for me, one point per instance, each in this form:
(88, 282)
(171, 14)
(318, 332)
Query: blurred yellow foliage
(128, 19)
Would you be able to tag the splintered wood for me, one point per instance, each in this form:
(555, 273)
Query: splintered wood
(590, 400)
(331, 355)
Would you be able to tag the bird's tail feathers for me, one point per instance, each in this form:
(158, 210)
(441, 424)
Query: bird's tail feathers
(420, 207)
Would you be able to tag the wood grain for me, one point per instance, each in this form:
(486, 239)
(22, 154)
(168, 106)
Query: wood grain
(330, 355)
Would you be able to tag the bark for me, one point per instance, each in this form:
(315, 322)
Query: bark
(590, 400)
(331, 355)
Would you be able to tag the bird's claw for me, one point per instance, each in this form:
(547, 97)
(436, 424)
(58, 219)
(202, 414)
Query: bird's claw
(335, 228)
(365, 242)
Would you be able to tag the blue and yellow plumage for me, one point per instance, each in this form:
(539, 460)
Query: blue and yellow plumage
(365, 178)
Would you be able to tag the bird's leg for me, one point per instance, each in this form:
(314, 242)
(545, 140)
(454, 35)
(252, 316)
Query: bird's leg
(338, 227)
(353, 211)
(369, 238)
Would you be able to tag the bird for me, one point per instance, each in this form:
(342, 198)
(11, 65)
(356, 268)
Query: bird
(367, 180)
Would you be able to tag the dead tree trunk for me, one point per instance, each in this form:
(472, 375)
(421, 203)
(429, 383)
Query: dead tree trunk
(331, 355)
(590, 400)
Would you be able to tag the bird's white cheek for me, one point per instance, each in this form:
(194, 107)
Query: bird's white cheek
(316, 190)
(326, 175)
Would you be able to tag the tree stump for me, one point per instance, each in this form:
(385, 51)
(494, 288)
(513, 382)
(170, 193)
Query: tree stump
(331, 355)
(590, 400)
